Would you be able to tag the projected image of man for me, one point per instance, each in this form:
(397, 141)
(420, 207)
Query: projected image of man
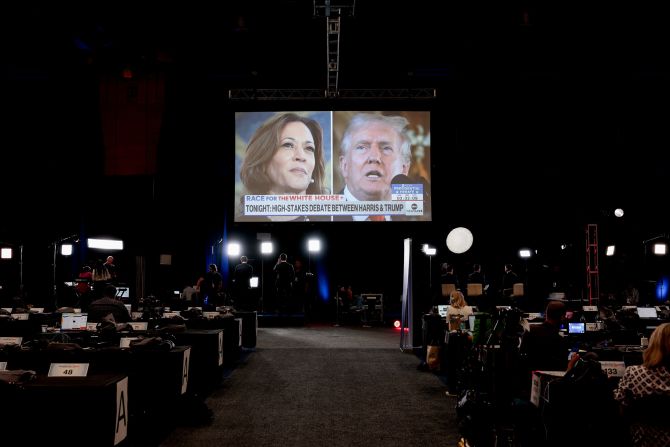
(375, 148)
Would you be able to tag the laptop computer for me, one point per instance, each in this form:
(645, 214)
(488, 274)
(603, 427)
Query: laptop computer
(647, 312)
(73, 322)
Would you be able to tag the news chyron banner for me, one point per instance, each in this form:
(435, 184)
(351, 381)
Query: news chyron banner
(407, 200)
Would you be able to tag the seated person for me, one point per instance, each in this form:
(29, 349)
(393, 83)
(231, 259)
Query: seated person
(644, 392)
(108, 304)
(458, 311)
(543, 347)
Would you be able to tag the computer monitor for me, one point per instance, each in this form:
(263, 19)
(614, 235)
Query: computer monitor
(647, 312)
(576, 328)
(442, 310)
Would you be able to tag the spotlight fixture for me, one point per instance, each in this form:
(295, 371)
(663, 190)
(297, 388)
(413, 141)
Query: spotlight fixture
(234, 249)
(660, 249)
(314, 245)
(66, 249)
(5, 253)
(524, 253)
(266, 248)
(105, 244)
(618, 212)
(610, 250)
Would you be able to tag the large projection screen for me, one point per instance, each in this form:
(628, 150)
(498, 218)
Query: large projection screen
(332, 166)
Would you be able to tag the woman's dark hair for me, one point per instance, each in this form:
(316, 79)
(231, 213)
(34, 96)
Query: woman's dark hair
(263, 145)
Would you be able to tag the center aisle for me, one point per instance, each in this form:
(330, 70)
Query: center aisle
(327, 386)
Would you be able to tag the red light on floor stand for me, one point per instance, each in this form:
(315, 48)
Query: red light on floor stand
(396, 324)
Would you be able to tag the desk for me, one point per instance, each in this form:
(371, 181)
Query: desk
(206, 358)
(73, 411)
(249, 328)
(232, 334)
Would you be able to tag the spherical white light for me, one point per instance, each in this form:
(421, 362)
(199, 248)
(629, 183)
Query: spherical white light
(459, 240)
(618, 212)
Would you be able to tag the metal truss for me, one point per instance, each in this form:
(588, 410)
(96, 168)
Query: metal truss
(305, 94)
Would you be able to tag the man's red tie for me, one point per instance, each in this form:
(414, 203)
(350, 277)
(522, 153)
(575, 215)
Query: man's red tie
(376, 218)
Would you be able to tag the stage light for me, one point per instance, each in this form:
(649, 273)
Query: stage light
(234, 249)
(66, 249)
(396, 324)
(431, 251)
(660, 249)
(314, 245)
(610, 250)
(459, 240)
(618, 212)
(266, 248)
(524, 253)
(105, 244)
(5, 253)
(253, 282)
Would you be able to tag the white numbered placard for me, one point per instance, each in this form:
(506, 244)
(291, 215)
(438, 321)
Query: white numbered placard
(11, 340)
(92, 327)
(68, 370)
(3, 366)
(139, 325)
(591, 327)
(170, 314)
(210, 315)
(613, 368)
(20, 316)
(590, 308)
(125, 341)
(37, 310)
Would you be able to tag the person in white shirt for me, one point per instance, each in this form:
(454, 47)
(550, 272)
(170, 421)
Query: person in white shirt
(458, 311)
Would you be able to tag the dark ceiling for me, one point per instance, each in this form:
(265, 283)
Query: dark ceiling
(563, 99)
(547, 113)
(279, 43)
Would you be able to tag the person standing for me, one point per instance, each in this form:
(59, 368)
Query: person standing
(111, 268)
(284, 278)
(212, 287)
(241, 284)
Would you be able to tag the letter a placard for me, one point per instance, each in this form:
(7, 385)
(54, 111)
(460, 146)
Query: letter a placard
(121, 422)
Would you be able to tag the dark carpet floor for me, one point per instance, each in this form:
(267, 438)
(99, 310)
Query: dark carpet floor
(327, 386)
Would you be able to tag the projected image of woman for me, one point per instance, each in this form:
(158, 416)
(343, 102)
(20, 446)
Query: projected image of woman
(285, 155)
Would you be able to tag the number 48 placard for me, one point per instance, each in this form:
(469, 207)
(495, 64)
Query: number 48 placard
(68, 370)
